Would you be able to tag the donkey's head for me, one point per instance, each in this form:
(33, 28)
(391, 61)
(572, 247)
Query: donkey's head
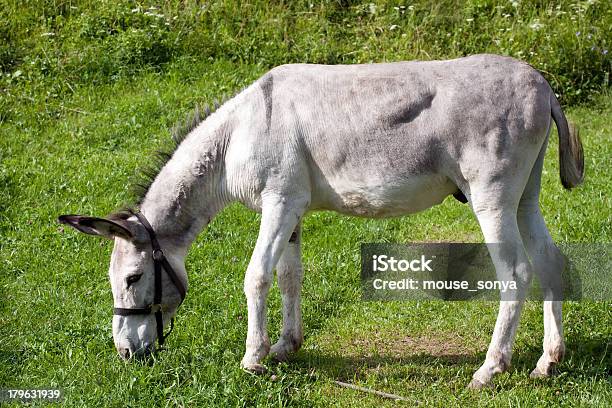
(147, 275)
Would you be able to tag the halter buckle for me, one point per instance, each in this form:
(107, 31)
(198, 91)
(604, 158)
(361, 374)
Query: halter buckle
(156, 307)
(158, 254)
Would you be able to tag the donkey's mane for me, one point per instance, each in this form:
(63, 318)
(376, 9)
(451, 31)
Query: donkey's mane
(179, 132)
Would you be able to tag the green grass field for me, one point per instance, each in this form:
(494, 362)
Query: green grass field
(71, 144)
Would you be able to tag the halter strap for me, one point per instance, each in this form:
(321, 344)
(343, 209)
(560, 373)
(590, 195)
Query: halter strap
(159, 261)
(158, 255)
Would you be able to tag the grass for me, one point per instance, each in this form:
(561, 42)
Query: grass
(56, 304)
(50, 48)
(88, 92)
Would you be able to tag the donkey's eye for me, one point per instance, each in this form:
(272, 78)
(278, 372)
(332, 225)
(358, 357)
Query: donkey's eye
(132, 279)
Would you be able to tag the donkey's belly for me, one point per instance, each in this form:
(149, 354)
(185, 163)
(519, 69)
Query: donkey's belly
(386, 199)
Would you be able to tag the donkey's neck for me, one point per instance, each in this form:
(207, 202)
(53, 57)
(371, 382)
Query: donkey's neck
(189, 190)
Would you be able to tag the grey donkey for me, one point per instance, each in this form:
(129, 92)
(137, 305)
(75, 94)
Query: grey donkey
(374, 140)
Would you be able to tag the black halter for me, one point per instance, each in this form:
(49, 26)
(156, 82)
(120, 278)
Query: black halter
(159, 261)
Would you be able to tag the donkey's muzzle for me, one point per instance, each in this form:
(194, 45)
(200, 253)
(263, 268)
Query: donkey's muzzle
(142, 353)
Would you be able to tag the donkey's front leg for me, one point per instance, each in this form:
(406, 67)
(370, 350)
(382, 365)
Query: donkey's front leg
(280, 216)
(289, 273)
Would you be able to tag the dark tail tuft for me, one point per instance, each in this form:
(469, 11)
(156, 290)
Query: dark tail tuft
(571, 156)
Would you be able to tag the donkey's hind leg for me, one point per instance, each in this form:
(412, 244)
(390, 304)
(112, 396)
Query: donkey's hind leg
(496, 213)
(548, 264)
(280, 216)
(289, 274)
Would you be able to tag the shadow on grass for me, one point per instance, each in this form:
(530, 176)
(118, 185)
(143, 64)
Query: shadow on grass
(424, 367)
(586, 357)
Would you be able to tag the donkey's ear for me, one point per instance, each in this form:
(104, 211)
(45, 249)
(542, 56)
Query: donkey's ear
(98, 226)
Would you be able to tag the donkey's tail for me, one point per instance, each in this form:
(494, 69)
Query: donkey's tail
(571, 156)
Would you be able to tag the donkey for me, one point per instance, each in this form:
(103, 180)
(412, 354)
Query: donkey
(375, 140)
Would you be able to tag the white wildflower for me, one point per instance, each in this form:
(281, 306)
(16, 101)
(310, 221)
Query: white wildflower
(536, 25)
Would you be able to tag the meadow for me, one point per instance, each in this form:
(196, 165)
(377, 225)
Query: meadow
(89, 92)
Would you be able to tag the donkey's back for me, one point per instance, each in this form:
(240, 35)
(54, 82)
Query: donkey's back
(389, 139)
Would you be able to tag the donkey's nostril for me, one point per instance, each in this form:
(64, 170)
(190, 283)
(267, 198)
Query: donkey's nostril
(149, 348)
(145, 351)
(125, 353)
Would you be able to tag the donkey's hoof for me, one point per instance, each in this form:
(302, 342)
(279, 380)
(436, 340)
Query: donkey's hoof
(478, 385)
(280, 356)
(281, 351)
(543, 373)
(253, 368)
(538, 374)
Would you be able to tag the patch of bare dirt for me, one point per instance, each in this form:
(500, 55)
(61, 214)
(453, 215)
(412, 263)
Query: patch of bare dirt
(431, 344)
